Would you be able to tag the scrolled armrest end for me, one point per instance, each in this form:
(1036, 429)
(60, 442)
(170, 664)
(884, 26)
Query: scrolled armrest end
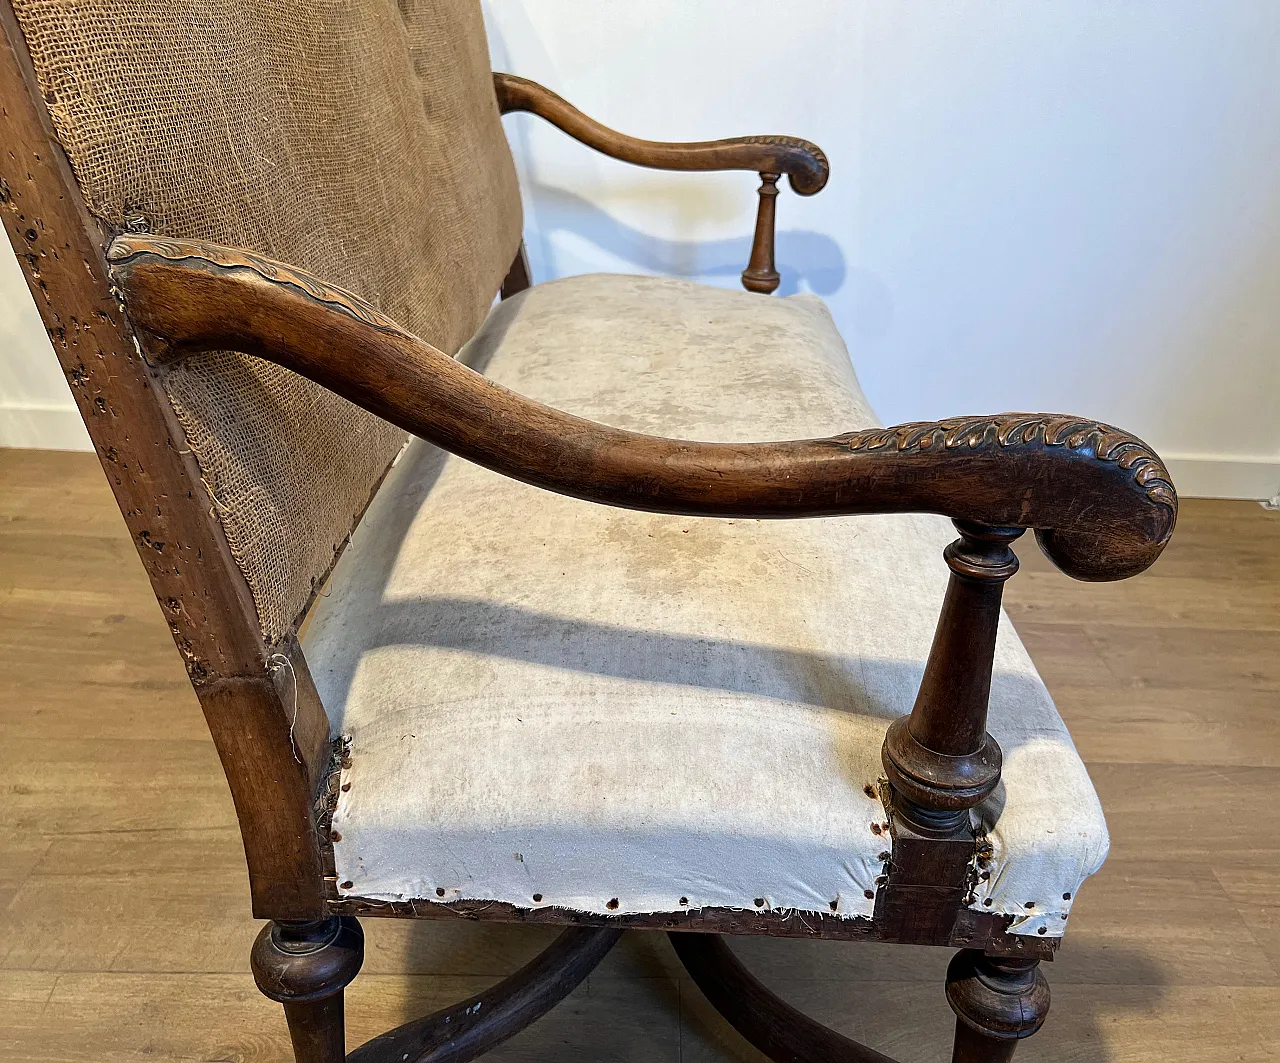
(804, 163)
(1096, 558)
(1100, 500)
(1112, 552)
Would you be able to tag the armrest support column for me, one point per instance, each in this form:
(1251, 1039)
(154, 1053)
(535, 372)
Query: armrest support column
(940, 760)
(769, 156)
(761, 275)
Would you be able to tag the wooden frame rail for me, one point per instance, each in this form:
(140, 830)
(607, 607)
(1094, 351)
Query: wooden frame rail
(770, 156)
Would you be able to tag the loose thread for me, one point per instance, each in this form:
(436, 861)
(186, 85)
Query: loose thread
(293, 678)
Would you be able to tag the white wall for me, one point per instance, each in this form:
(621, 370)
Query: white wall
(36, 409)
(1071, 206)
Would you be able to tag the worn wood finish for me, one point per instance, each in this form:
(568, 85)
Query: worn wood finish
(761, 274)
(957, 929)
(780, 1031)
(472, 1027)
(60, 248)
(997, 1002)
(923, 899)
(940, 761)
(115, 794)
(804, 163)
(201, 592)
(1099, 499)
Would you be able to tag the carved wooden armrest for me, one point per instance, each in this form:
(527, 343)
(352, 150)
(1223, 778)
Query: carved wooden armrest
(1099, 499)
(770, 156)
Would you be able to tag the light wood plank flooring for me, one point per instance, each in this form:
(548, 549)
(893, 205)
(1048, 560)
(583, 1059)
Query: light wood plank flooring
(124, 927)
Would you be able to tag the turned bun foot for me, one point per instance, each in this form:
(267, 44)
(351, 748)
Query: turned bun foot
(997, 1001)
(306, 966)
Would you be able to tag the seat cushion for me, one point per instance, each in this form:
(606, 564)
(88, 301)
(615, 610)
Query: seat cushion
(554, 703)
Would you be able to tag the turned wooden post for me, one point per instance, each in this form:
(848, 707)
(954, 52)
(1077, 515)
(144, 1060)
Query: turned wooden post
(998, 1001)
(305, 967)
(940, 760)
(761, 275)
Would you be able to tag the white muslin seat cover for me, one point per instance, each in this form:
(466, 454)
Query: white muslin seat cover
(555, 703)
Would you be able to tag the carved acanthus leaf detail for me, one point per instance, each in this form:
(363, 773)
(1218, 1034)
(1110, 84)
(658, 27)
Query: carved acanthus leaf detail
(797, 143)
(129, 244)
(1102, 442)
(805, 183)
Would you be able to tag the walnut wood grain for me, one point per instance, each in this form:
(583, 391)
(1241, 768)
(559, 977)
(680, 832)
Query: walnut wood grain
(1221, 571)
(761, 274)
(804, 163)
(1099, 499)
(922, 894)
(306, 966)
(997, 1001)
(939, 760)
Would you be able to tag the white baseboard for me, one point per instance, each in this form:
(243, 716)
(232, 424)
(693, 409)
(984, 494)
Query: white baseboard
(1195, 476)
(1200, 476)
(43, 428)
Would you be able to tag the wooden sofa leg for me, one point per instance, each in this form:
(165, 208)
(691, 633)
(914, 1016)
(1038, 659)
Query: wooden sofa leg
(998, 1001)
(305, 967)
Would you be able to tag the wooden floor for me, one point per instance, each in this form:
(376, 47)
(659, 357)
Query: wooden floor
(124, 928)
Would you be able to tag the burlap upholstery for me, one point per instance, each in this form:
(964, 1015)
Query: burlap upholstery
(358, 139)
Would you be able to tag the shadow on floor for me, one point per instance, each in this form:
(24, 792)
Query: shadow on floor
(639, 1004)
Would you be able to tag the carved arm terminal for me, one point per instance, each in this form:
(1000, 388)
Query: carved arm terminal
(770, 156)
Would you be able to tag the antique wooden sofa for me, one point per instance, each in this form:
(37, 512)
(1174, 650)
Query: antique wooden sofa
(551, 661)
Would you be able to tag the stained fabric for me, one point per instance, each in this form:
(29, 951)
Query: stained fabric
(556, 703)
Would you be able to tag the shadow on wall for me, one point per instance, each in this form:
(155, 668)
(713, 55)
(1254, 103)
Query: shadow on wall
(807, 261)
